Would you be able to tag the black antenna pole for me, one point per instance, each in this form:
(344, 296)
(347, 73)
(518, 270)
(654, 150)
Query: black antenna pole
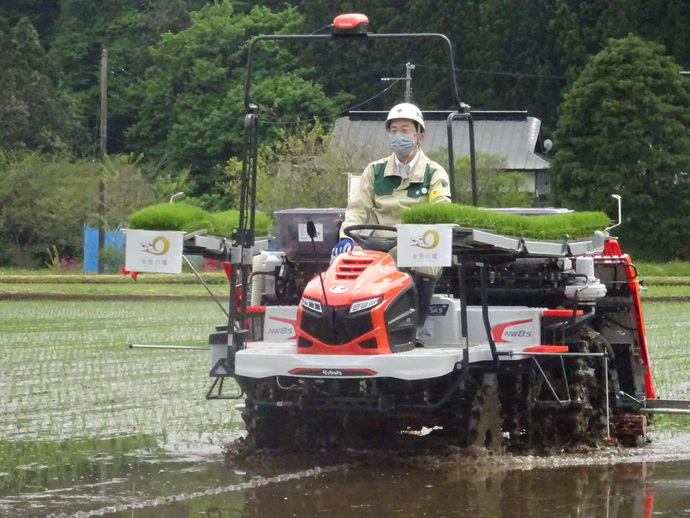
(311, 232)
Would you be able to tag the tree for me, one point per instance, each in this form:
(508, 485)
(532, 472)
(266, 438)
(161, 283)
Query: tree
(191, 110)
(126, 29)
(41, 13)
(623, 129)
(496, 187)
(35, 113)
(45, 202)
(301, 170)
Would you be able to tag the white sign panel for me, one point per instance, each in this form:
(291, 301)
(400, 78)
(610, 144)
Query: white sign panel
(154, 251)
(279, 323)
(303, 236)
(425, 245)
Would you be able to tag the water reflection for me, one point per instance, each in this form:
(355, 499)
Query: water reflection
(620, 491)
(149, 486)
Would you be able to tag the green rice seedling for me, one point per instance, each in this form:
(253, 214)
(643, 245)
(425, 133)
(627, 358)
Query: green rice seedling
(224, 223)
(551, 226)
(668, 332)
(675, 271)
(40, 463)
(115, 291)
(72, 375)
(672, 424)
(189, 218)
(170, 216)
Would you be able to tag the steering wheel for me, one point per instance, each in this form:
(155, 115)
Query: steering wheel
(377, 243)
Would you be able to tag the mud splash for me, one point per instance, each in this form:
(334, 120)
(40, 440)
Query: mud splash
(431, 454)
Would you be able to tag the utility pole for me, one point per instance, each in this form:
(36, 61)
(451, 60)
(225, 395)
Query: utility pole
(409, 67)
(104, 137)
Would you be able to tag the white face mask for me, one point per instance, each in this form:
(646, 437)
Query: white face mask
(402, 144)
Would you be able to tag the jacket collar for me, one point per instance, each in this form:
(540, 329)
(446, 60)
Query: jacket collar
(417, 171)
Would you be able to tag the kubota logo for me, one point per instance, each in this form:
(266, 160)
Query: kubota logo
(502, 334)
(428, 240)
(157, 246)
(335, 372)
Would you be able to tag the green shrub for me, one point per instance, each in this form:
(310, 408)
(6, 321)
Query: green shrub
(111, 259)
(551, 226)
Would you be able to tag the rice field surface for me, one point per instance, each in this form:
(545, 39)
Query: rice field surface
(72, 392)
(113, 290)
(668, 336)
(25, 285)
(66, 370)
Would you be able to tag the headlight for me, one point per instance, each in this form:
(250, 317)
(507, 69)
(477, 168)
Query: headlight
(312, 304)
(361, 305)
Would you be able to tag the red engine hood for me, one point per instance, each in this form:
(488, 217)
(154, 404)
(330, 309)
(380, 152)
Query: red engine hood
(356, 276)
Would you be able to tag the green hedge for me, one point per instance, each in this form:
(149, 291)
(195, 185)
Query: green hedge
(552, 226)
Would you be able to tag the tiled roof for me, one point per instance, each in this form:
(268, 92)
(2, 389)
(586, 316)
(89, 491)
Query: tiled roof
(511, 135)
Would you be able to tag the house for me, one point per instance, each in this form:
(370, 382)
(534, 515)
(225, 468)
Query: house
(512, 135)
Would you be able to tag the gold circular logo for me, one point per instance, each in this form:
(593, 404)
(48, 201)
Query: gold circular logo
(159, 246)
(429, 240)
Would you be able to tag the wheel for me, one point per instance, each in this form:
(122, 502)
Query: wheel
(268, 427)
(477, 418)
(521, 424)
(535, 419)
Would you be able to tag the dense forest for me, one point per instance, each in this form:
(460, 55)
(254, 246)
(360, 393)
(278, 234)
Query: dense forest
(176, 77)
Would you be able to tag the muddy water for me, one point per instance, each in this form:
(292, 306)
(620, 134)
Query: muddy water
(645, 482)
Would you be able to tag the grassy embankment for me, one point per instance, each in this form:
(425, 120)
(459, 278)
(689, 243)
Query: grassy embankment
(35, 283)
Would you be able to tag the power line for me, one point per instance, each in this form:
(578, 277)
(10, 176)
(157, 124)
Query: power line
(498, 73)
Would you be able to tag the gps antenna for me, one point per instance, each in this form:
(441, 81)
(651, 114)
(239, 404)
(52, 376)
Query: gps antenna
(311, 232)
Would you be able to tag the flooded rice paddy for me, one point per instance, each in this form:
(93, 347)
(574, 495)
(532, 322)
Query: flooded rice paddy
(89, 427)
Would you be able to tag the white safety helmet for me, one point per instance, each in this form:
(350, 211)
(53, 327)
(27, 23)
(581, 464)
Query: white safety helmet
(405, 111)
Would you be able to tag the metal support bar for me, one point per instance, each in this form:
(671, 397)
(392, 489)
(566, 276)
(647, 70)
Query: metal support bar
(218, 382)
(608, 406)
(249, 103)
(485, 313)
(553, 390)
(568, 399)
(534, 356)
(665, 406)
(180, 347)
(451, 157)
(528, 353)
(462, 284)
(203, 283)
